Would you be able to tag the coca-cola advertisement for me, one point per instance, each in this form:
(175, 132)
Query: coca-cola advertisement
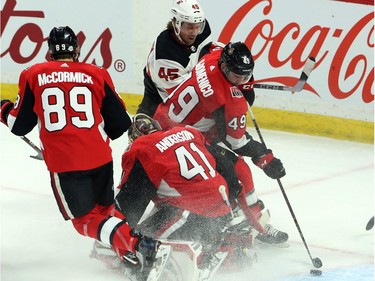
(282, 35)
(105, 32)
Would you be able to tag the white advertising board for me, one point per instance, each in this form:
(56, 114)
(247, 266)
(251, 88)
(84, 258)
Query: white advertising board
(282, 34)
(116, 34)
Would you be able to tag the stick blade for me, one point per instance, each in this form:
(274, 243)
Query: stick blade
(307, 69)
(370, 224)
(37, 157)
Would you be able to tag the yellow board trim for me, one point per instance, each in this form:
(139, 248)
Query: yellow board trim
(296, 122)
(273, 119)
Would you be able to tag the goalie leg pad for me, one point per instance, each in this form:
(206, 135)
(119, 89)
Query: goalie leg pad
(105, 254)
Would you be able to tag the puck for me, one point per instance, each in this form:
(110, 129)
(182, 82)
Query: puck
(315, 272)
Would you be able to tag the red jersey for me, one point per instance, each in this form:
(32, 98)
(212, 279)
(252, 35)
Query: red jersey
(181, 169)
(197, 99)
(77, 110)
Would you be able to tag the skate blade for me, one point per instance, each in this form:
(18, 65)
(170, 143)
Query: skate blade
(162, 258)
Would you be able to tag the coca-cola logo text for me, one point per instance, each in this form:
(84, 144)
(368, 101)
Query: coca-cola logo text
(317, 35)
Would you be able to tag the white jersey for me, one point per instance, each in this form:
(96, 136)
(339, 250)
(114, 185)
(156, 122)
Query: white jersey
(169, 60)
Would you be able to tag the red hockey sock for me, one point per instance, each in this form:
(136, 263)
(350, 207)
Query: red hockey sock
(244, 175)
(107, 225)
(256, 209)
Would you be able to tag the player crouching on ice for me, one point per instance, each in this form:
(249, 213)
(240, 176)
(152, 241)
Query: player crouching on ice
(210, 100)
(193, 188)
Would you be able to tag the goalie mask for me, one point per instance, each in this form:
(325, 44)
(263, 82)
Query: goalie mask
(142, 125)
(63, 43)
(187, 11)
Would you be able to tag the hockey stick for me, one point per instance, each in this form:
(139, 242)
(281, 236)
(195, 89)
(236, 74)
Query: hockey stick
(309, 66)
(317, 263)
(39, 156)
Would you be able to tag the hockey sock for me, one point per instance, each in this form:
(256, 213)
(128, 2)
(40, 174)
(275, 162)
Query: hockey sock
(111, 230)
(244, 175)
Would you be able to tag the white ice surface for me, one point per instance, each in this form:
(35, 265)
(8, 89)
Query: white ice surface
(329, 183)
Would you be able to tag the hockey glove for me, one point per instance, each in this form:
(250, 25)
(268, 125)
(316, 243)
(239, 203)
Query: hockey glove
(271, 166)
(6, 107)
(249, 96)
(264, 159)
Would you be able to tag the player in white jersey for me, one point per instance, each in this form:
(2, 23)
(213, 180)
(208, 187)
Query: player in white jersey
(174, 53)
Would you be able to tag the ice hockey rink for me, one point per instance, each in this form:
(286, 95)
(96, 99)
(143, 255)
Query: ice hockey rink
(329, 183)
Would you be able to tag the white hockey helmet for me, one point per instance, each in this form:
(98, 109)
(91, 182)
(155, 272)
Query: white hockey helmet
(187, 11)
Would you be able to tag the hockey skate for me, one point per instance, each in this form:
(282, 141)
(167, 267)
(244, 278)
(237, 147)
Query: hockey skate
(149, 261)
(138, 267)
(272, 237)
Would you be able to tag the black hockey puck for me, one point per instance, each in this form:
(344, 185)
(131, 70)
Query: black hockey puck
(315, 272)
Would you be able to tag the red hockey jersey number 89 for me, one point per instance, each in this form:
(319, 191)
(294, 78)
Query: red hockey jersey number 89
(55, 106)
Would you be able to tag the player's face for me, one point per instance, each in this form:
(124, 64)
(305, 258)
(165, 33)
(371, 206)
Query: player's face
(234, 78)
(190, 31)
(237, 79)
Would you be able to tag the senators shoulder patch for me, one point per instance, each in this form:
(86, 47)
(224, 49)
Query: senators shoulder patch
(236, 93)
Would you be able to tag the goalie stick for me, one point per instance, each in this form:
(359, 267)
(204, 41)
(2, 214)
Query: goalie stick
(309, 66)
